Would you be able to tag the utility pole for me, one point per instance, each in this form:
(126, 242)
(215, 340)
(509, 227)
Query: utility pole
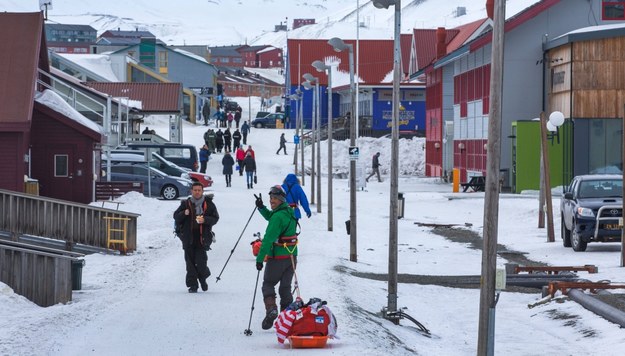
(486, 328)
(353, 227)
(318, 138)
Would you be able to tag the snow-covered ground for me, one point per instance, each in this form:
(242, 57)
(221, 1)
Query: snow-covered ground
(139, 305)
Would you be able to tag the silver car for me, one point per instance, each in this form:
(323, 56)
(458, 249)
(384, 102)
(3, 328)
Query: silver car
(168, 187)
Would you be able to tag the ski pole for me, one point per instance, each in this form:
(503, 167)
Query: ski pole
(235, 245)
(248, 331)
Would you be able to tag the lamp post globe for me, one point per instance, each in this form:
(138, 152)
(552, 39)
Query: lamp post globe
(556, 118)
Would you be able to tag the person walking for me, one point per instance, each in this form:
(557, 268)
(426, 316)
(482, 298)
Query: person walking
(237, 116)
(295, 195)
(228, 162)
(230, 117)
(282, 144)
(240, 155)
(219, 117)
(279, 248)
(209, 140)
(197, 215)
(204, 157)
(236, 139)
(375, 165)
(245, 129)
(250, 169)
(206, 112)
(251, 151)
(219, 140)
(227, 140)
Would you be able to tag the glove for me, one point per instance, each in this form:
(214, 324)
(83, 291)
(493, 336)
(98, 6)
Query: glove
(259, 202)
(259, 266)
(308, 215)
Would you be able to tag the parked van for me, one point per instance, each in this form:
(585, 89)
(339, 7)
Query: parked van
(180, 154)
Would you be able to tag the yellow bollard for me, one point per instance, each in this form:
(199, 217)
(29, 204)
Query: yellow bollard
(456, 180)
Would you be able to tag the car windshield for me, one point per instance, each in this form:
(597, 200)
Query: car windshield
(603, 188)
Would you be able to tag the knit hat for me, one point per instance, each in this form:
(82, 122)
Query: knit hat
(277, 192)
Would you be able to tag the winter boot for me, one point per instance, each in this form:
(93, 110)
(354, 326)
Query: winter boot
(272, 312)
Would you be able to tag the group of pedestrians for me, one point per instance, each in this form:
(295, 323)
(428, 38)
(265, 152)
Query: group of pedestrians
(216, 141)
(224, 118)
(245, 162)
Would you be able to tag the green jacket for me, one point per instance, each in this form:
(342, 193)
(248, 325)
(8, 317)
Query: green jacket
(281, 223)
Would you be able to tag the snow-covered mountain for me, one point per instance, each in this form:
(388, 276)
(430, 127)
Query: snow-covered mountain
(227, 22)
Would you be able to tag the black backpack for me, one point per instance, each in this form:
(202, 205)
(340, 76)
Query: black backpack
(179, 228)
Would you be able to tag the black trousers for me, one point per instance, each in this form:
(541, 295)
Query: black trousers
(279, 271)
(197, 269)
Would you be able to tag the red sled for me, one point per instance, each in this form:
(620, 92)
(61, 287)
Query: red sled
(308, 342)
(308, 327)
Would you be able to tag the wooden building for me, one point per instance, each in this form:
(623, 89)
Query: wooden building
(586, 79)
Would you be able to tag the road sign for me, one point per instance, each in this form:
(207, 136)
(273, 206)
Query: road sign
(353, 153)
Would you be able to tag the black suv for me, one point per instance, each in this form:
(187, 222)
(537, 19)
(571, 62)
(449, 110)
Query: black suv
(269, 120)
(591, 209)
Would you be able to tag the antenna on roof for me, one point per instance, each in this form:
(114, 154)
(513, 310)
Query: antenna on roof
(44, 5)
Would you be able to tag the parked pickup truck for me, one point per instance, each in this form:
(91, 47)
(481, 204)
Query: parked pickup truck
(591, 210)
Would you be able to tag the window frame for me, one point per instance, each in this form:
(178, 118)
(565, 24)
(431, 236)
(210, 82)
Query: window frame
(56, 165)
(605, 4)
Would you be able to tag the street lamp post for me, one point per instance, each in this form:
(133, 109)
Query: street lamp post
(307, 84)
(392, 245)
(339, 45)
(320, 67)
(316, 140)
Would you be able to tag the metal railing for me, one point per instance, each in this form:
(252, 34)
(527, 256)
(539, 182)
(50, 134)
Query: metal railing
(74, 223)
(340, 130)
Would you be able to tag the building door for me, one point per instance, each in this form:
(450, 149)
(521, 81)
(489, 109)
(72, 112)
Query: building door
(61, 160)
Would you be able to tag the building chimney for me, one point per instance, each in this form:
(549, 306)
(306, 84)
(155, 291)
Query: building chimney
(490, 8)
(441, 45)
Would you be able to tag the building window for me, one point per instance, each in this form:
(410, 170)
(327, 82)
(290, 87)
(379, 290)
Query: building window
(162, 59)
(224, 60)
(61, 165)
(613, 10)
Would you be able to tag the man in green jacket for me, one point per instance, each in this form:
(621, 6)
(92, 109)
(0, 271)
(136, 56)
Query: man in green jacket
(279, 248)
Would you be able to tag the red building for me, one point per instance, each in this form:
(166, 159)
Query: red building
(428, 46)
(270, 57)
(35, 140)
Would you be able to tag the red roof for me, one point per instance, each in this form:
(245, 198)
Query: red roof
(376, 59)
(425, 41)
(425, 45)
(464, 32)
(405, 43)
(154, 97)
(22, 39)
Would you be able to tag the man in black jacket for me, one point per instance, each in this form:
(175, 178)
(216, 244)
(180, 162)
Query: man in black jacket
(375, 167)
(197, 215)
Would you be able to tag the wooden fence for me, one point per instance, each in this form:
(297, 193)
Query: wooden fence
(111, 190)
(74, 223)
(44, 276)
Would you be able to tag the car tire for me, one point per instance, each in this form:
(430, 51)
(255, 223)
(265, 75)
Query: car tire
(259, 126)
(577, 243)
(565, 233)
(169, 192)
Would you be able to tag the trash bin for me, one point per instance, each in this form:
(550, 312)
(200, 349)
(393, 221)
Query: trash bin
(400, 205)
(77, 266)
(348, 227)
